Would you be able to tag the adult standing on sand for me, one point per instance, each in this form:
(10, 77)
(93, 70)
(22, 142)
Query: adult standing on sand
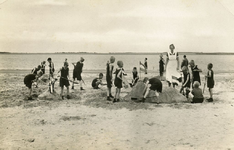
(172, 67)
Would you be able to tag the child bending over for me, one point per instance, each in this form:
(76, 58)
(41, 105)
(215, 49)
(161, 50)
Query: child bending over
(186, 83)
(152, 84)
(29, 80)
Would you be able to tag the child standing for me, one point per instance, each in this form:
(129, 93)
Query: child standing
(78, 68)
(118, 80)
(109, 72)
(146, 65)
(43, 64)
(161, 66)
(29, 80)
(135, 76)
(197, 93)
(64, 79)
(210, 81)
(195, 72)
(97, 81)
(51, 68)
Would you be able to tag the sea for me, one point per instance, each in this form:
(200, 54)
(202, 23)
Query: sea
(97, 62)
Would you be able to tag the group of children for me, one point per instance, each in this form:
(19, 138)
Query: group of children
(190, 76)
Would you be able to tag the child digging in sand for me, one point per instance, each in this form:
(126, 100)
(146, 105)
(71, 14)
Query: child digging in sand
(152, 84)
(118, 80)
(197, 93)
(135, 76)
(97, 81)
(29, 80)
(186, 82)
(109, 72)
(78, 68)
(64, 79)
(210, 81)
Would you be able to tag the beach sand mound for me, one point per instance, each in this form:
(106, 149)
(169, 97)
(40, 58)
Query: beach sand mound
(168, 95)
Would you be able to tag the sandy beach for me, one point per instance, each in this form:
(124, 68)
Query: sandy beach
(88, 121)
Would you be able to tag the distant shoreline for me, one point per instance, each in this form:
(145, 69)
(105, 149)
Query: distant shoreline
(126, 53)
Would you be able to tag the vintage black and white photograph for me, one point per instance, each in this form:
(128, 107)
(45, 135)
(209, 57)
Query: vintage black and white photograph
(116, 74)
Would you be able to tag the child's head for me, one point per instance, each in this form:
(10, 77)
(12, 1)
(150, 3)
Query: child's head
(145, 59)
(112, 59)
(81, 59)
(120, 63)
(134, 69)
(39, 67)
(196, 84)
(145, 79)
(100, 75)
(192, 63)
(43, 62)
(185, 69)
(49, 59)
(161, 56)
(184, 56)
(210, 66)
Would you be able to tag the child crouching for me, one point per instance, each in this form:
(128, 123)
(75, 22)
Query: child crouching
(97, 81)
(197, 93)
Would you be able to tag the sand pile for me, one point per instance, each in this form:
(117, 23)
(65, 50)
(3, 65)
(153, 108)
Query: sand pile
(168, 95)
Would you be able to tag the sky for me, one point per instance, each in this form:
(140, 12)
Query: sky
(103, 26)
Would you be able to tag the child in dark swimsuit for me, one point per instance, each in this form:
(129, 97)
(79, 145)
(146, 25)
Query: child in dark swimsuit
(97, 81)
(161, 66)
(195, 76)
(118, 80)
(29, 80)
(78, 68)
(210, 81)
(109, 72)
(64, 79)
(135, 76)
